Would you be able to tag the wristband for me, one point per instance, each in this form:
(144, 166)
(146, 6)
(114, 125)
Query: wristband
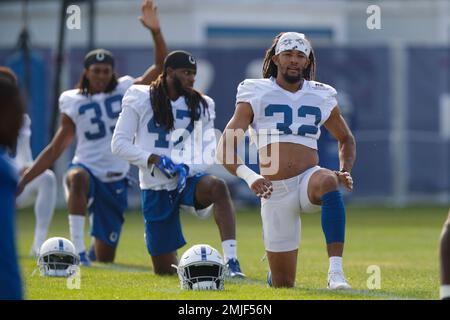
(248, 175)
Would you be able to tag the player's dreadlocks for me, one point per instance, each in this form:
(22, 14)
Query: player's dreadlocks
(83, 84)
(162, 109)
(270, 69)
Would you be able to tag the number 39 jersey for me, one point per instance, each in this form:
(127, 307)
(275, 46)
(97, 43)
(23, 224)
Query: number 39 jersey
(95, 118)
(283, 116)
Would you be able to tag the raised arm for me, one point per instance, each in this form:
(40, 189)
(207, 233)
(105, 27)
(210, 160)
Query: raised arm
(150, 20)
(227, 151)
(62, 139)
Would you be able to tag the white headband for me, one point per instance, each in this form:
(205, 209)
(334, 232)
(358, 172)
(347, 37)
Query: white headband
(293, 41)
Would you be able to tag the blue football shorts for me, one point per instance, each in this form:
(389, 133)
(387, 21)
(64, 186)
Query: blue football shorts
(161, 209)
(107, 202)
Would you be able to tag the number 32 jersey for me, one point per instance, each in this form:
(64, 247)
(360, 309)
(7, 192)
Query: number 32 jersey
(95, 118)
(283, 116)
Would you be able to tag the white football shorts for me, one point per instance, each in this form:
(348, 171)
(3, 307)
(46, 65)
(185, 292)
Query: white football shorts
(281, 212)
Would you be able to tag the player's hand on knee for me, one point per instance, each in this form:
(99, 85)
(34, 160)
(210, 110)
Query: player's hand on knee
(263, 188)
(166, 166)
(182, 171)
(345, 179)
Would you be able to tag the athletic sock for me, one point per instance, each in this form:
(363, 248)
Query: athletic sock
(335, 264)
(229, 248)
(76, 225)
(44, 208)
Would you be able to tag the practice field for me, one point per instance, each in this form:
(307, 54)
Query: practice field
(403, 243)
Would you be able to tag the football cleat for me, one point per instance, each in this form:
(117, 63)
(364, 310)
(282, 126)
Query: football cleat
(233, 269)
(337, 281)
(84, 260)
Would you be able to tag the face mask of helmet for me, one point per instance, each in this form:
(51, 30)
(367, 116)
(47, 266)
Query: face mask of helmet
(57, 265)
(201, 268)
(203, 277)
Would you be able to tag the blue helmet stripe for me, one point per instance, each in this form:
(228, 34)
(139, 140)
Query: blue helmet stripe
(61, 244)
(203, 252)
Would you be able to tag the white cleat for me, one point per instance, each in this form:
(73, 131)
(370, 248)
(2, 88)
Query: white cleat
(337, 281)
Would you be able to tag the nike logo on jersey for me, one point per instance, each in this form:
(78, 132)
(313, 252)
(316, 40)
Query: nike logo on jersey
(119, 191)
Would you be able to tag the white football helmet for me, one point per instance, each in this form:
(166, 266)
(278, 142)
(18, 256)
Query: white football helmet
(201, 268)
(58, 258)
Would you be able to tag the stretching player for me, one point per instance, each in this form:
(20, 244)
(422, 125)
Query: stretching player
(42, 190)
(285, 111)
(96, 178)
(156, 116)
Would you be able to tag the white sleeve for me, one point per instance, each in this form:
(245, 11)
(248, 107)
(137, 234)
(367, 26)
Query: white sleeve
(330, 99)
(330, 102)
(66, 106)
(246, 92)
(23, 150)
(126, 82)
(122, 141)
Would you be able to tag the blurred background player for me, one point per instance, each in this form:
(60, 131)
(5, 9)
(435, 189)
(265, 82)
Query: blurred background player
(445, 260)
(96, 179)
(42, 190)
(290, 103)
(153, 115)
(11, 116)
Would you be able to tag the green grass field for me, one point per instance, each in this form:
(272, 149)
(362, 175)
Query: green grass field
(402, 242)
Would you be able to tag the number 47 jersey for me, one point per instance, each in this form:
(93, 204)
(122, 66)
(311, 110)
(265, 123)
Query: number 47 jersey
(95, 118)
(283, 116)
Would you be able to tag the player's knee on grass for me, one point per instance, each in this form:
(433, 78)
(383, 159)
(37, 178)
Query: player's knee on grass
(103, 252)
(162, 264)
(282, 280)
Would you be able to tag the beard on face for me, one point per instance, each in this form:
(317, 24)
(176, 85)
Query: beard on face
(179, 87)
(292, 79)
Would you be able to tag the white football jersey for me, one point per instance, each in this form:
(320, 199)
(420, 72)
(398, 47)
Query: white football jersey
(95, 118)
(283, 116)
(22, 156)
(137, 137)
